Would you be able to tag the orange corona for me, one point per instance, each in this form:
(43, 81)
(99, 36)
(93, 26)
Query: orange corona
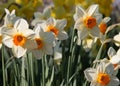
(19, 40)
(90, 22)
(103, 79)
(52, 29)
(39, 43)
(102, 27)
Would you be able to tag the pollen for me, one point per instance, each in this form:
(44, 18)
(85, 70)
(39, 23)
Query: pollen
(103, 79)
(53, 29)
(102, 27)
(39, 43)
(19, 40)
(90, 22)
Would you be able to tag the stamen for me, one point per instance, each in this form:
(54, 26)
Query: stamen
(19, 40)
(39, 43)
(90, 22)
(103, 78)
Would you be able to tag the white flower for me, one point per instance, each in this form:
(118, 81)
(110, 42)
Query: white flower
(41, 17)
(10, 19)
(57, 27)
(117, 39)
(102, 75)
(44, 41)
(114, 57)
(103, 28)
(86, 22)
(20, 38)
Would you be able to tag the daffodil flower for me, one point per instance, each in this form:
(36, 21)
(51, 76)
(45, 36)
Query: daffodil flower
(102, 75)
(10, 18)
(41, 17)
(103, 28)
(57, 27)
(44, 41)
(20, 38)
(86, 21)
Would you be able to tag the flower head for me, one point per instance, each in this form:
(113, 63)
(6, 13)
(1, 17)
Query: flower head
(20, 38)
(44, 41)
(87, 21)
(102, 75)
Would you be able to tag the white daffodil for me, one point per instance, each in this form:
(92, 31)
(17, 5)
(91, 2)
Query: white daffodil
(117, 39)
(103, 28)
(20, 38)
(44, 41)
(57, 27)
(41, 17)
(10, 19)
(102, 75)
(86, 21)
(114, 57)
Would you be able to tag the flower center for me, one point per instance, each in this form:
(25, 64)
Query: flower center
(90, 22)
(103, 78)
(39, 43)
(102, 27)
(53, 29)
(19, 40)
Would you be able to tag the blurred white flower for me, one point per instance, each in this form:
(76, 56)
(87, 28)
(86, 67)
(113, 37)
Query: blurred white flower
(41, 17)
(57, 27)
(86, 21)
(20, 38)
(44, 41)
(102, 75)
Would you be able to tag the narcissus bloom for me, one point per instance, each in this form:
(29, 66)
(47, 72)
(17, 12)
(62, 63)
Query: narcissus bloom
(44, 41)
(86, 21)
(20, 38)
(114, 57)
(117, 39)
(57, 27)
(102, 75)
(41, 17)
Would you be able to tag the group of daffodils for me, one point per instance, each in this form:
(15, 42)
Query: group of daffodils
(47, 33)
(16, 35)
(90, 23)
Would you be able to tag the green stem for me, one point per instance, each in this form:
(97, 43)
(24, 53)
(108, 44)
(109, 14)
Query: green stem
(3, 67)
(69, 59)
(43, 71)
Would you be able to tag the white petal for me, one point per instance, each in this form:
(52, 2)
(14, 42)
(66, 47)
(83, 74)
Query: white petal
(21, 25)
(90, 74)
(7, 11)
(30, 34)
(38, 15)
(48, 49)
(94, 84)
(115, 59)
(47, 37)
(37, 21)
(60, 24)
(62, 35)
(79, 24)
(38, 53)
(95, 32)
(47, 12)
(117, 38)
(111, 52)
(118, 52)
(106, 19)
(51, 21)
(92, 9)
(109, 68)
(18, 51)
(79, 13)
(83, 33)
(8, 41)
(30, 44)
(114, 81)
